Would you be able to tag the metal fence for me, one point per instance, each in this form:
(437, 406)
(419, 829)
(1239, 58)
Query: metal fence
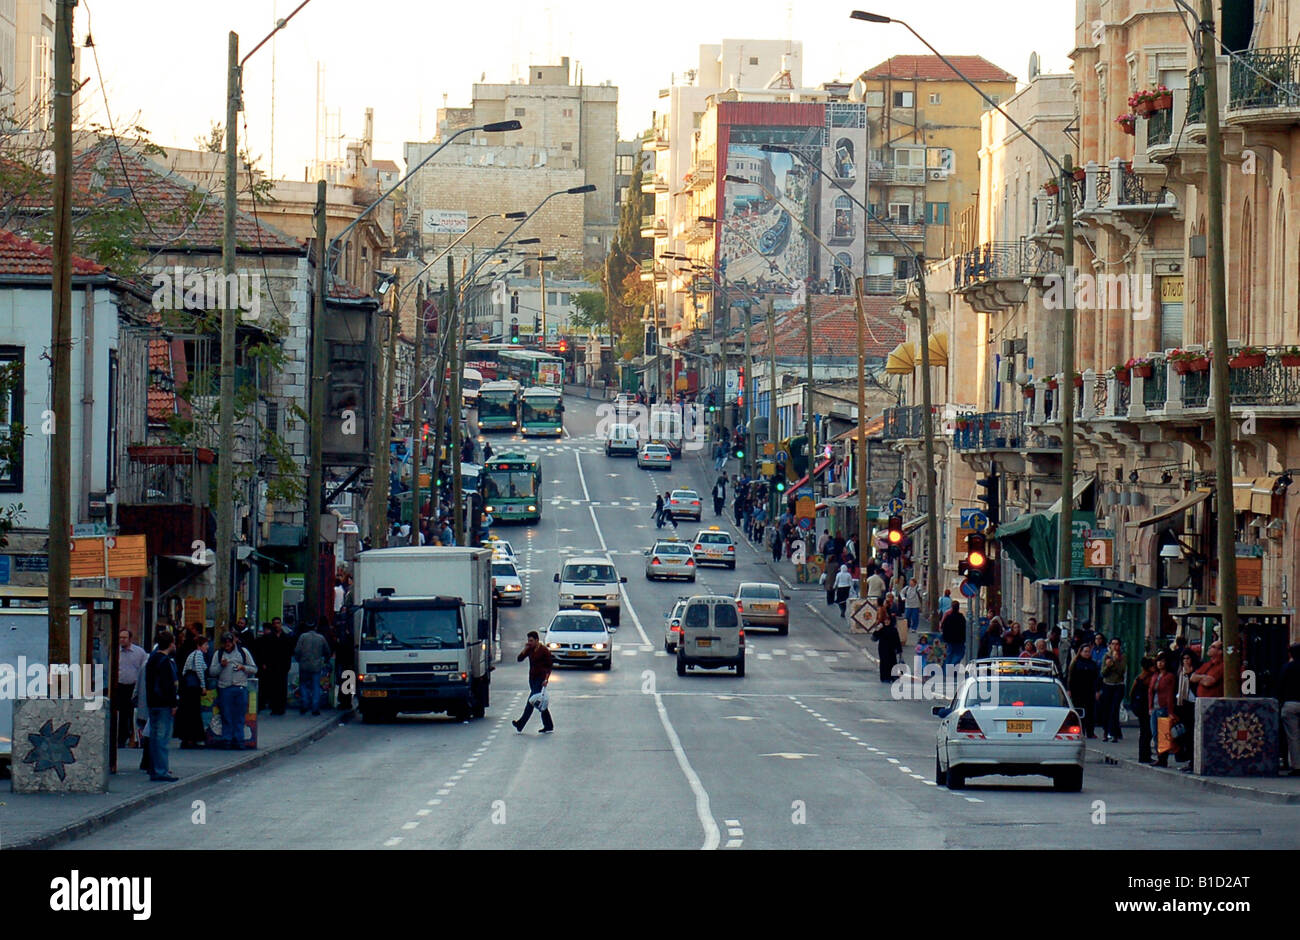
(1005, 260)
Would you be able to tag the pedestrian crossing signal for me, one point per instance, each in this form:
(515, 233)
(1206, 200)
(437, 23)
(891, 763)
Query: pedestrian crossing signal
(738, 452)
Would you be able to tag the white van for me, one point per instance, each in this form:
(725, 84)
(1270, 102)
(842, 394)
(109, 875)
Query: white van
(711, 635)
(621, 439)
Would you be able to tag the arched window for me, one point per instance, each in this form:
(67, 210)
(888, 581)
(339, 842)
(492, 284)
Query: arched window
(843, 273)
(845, 165)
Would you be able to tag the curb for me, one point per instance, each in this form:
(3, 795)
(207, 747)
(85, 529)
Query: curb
(1213, 784)
(152, 798)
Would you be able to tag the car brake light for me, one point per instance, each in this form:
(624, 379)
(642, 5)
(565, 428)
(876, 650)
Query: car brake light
(699, 548)
(731, 548)
(1017, 704)
(967, 725)
(654, 561)
(1070, 728)
(780, 608)
(739, 606)
(690, 563)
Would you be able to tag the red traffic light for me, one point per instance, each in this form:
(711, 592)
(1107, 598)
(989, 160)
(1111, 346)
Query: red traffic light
(895, 535)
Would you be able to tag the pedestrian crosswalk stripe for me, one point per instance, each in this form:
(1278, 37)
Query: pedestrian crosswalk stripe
(393, 841)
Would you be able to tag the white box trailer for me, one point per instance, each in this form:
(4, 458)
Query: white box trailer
(425, 625)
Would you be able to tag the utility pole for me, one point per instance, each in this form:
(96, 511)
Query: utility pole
(316, 393)
(808, 382)
(1226, 595)
(1065, 521)
(541, 280)
(453, 406)
(381, 461)
(771, 369)
(416, 410)
(748, 391)
(60, 546)
(860, 463)
(927, 432)
(226, 427)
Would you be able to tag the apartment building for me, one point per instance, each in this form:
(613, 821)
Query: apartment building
(924, 170)
(569, 138)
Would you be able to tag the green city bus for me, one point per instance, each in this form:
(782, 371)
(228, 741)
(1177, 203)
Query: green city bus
(541, 411)
(531, 367)
(512, 487)
(498, 406)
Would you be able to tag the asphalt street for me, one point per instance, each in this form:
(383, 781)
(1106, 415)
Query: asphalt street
(808, 750)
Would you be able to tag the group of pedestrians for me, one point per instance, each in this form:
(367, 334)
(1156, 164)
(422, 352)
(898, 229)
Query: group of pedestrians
(1163, 697)
(160, 692)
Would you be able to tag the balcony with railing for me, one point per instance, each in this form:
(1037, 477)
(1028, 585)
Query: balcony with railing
(1264, 87)
(1005, 261)
(654, 184)
(988, 431)
(884, 284)
(906, 422)
(905, 230)
(895, 173)
(652, 227)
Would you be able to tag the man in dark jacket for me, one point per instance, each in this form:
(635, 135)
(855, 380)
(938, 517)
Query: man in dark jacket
(274, 653)
(953, 628)
(1085, 685)
(539, 673)
(160, 684)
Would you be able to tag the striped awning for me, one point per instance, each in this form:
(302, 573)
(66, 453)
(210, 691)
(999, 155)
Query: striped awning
(902, 361)
(938, 349)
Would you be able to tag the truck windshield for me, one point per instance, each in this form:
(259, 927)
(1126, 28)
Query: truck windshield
(412, 628)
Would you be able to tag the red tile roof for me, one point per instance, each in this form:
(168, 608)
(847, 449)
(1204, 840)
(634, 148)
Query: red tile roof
(931, 68)
(835, 328)
(161, 404)
(20, 255)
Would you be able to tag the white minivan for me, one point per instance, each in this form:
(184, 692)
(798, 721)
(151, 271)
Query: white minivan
(711, 635)
(621, 439)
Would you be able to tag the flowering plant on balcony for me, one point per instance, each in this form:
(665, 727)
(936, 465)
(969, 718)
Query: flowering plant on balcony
(1163, 98)
(1137, 365)
(1186, 360)
(1051, 187)
(1247, 357)
(1127, 123)
(1078, 380)
(1289, 356)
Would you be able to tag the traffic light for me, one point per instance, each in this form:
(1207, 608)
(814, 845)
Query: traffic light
(514, 332)
(895, 536)
(989, 497)
(738, 451)
(425, 438)
(780, 485)
(977, 559)
(564, 345)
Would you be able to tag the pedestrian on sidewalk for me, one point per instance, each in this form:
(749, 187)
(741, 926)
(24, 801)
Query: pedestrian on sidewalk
(991, 640)
(945, 602)
(1084, 680)
(540, 662)
(189, 717)
(130, 660)
(1114, 667)
(1185, 704)
(875, 592)
(312, 652)
(233, 665)
(719, 496)
(1139, 703)
(952, 627)
(889, 644)
(1160, 700)
(659, 511)
(912, 606)
(843, 585)
(160, 680)
(275, 653)
(1288, 697)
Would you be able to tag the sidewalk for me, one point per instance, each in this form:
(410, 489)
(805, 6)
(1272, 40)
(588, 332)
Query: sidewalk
(42, 820)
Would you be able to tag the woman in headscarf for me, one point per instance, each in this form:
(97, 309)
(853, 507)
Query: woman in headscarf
(890, 643)
(843, 584)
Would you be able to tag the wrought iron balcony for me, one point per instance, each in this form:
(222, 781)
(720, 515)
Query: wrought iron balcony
(904, 422)
(994, 261)
(914, 230)
(1264, 86)
(990, 430)
(1160, 127)
(884, 284)
(1155, 388)
(1195, 97)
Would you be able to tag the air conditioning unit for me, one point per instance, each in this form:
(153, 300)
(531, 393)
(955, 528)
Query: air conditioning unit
(1007, 370)
(938, 175)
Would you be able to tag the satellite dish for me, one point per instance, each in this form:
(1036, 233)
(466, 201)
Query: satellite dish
(1033, 66)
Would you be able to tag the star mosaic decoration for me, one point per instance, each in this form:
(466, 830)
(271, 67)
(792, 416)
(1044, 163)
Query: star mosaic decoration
(52, 748)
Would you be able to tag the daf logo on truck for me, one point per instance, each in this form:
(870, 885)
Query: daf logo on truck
(425, 628)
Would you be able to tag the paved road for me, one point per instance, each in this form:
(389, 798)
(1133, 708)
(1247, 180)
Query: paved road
(807, 751)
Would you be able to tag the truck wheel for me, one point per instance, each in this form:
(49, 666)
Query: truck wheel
(740, 668)
(681, 664)
(369, 716)
(613, 620)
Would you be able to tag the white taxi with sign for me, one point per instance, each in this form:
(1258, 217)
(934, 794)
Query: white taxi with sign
(712, 546)
(684, 504)
(580, 637)
(1013, 718)
(668, 559)
(500, 548)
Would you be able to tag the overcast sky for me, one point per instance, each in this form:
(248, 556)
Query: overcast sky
(164, 62)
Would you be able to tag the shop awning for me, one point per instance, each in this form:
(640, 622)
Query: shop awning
(938, 349)
(1080, 487)
(803, 480)
(909, 527)
(1187, 502)
(1030, 542)
(902, 360)
(848, 499)
(1129, 589)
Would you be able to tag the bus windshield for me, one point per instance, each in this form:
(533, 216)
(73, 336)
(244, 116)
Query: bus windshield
(542, 409)
(496, 404)
(515, 483)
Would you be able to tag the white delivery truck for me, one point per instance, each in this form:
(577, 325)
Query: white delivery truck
(666, 427)
(425, 625)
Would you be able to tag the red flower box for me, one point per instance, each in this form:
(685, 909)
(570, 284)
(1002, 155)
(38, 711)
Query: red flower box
(1143, 371)
(1290, 362)
(1247, 362)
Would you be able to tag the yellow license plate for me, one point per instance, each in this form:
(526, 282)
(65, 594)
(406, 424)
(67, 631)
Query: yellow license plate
(374, 693)
(1020, 727)
(703, 642)
(577, 653)
(762, 608)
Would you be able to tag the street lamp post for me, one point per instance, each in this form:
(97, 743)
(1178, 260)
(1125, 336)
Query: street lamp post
(226, 373)
(1065, 203)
